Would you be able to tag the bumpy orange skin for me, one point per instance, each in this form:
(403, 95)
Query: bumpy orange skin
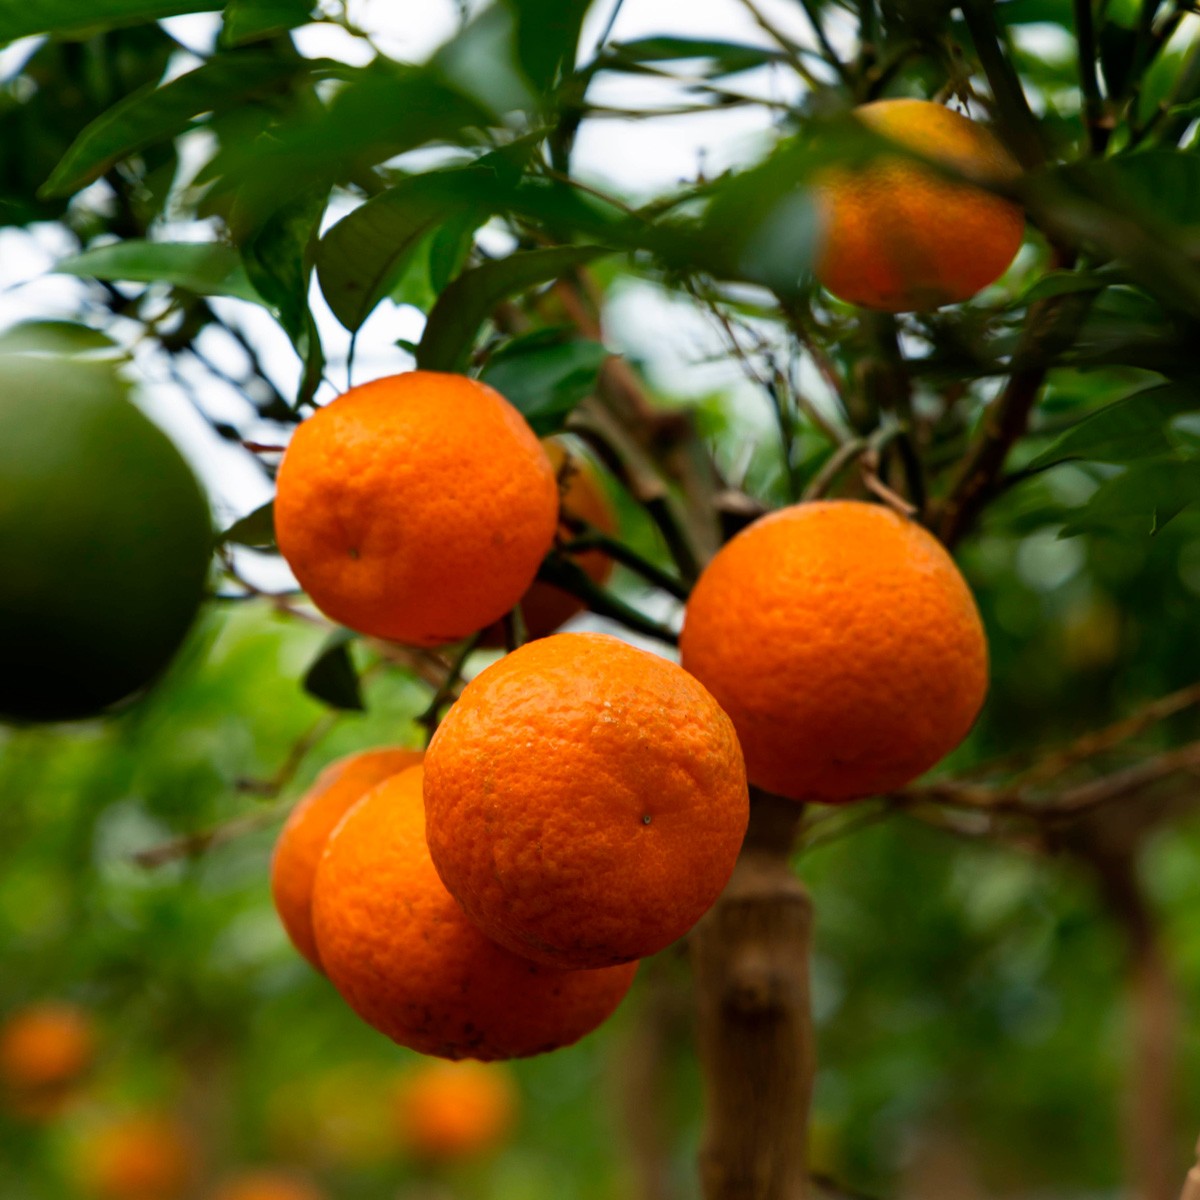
(417, 508)
(585, 800)
(268, 1185)
(844, 643)
(898, 237)
(448, 1111)
(545, 607)
(45, 1046)
(302, 839)
(142, 1157)
(406, 959)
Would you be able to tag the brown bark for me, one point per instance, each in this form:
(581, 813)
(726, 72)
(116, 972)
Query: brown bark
(1151, 1126)
(750, 956)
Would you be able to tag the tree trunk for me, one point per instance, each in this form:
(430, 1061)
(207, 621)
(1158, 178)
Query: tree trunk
(1151, 1120)
(750, 956)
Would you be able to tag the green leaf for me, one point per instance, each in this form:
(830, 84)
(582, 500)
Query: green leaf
(332, 678)
(547, 38)
(380, 111)
(256, 529)
(20, 18)
(1143, 498)
(206, 268)
(154, 113)
(249, 20)
(441, 256)
(278, 256)
(1128, 429)
(545, 377)
(463, 307)
(1064, 283)
(56, 337)
(1036, 12)
(728, 57)
(361, 259)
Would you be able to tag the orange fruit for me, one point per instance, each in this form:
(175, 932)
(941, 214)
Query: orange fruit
(455, 1110)
(545, 607)
(845, 645)
(308, 827)
(899, 237)
(407, 960)
(586, 801)
(416, 508)
(45, 1046)
(140, 1157)
(268, 1185)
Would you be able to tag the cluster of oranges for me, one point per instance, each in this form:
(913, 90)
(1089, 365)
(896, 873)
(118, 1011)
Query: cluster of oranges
(584, 802)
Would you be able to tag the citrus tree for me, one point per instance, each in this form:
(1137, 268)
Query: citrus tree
(957, 278)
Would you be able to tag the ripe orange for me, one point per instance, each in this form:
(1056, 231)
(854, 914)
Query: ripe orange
(901, 238)
(416, 508)
(845, 645)
(407, 960)
(586, 801)
(545, 607)
(455, 1110)
(307, 829)
(268, 1185)
(139, 1157)
(45, 1047)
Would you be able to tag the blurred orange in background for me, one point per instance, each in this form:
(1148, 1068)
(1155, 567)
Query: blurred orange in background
(45, 1050)
(446, 1111)
(141, 1156)
(268, 1184)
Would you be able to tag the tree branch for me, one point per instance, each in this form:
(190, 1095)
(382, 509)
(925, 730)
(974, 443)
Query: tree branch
(1049, 328)
(1017, 123)
(750, 957)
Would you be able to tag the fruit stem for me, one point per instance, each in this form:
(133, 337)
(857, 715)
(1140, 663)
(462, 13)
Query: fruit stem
(754, 1023)
(432, 716)
(590, 538)
(570, 577)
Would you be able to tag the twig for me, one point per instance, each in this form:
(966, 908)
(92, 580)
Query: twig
(798, 323)
(869, 470)
(568, 575)
(1098, 129)
(610, 25)
(1123, 783)
(1099, 740)
(591, 538)
(1049, 327)
(1017, 121)
(194, 844)
(789, 48)
(1017, 799)
(432, 716)
(827, 51)
(832, 467)
(275, 784)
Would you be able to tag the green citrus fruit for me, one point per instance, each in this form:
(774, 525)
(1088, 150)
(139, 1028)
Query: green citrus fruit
(105, 541)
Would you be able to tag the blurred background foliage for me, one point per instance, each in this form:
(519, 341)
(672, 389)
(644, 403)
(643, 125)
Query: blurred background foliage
(995, 995)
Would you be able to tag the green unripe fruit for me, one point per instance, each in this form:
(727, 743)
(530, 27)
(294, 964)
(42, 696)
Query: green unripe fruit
(105, 541)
